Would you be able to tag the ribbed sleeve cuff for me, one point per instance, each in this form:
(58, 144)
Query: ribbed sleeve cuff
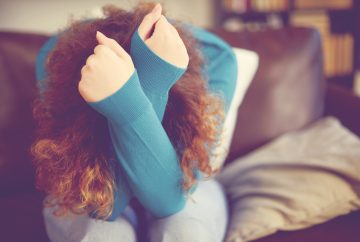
(126, 104)
(156, 74)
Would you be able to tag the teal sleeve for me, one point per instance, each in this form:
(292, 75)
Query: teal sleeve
(156, 75)
(143, 149)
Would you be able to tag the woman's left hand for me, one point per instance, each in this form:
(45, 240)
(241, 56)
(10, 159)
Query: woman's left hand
(165, 40)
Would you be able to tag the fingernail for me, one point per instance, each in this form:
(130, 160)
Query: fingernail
(156, 8)
(98, 32)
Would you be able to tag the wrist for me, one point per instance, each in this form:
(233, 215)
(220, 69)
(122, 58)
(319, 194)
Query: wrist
(155, 73)
(126, 104)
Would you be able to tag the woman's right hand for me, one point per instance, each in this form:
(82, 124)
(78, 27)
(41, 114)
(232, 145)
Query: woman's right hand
(164, 41)
(105, 71)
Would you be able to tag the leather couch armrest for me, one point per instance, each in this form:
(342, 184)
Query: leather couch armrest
(344, 105)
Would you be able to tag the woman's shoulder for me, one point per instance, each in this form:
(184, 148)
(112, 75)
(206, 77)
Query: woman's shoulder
(220, 62)
(216, 51)
(208, 39)
(218, 55)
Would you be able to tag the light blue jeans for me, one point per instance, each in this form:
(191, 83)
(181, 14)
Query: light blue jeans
(204, 219)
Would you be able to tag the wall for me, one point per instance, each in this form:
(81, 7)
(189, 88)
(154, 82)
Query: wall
(47, 16)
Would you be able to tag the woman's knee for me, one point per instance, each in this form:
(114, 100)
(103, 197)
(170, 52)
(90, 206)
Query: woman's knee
(82, 228)
(204, 220)
(191, 231)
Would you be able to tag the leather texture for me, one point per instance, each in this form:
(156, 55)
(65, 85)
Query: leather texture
(287, 92)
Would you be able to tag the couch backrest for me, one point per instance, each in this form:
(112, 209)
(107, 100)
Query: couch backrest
(17, 90)
(287, 92)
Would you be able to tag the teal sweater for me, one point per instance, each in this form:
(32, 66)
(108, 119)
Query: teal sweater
(149, 166)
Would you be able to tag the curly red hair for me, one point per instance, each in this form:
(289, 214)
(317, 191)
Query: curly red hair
(71, 150)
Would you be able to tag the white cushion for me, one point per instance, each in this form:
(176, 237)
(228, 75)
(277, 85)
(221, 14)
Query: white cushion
(248, 62)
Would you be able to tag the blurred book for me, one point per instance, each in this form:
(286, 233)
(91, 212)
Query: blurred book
(237, 6)
(327, 4)
(316, 19)
(337, 48)
(334, 19)
(269, 5)
(243, 6)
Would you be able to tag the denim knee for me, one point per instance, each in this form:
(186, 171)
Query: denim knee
(191, 231)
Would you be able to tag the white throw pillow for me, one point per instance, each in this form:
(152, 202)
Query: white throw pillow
(248, 62)
(298, 180)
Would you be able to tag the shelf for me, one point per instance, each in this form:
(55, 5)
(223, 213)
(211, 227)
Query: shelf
(337, 26)
(253, 16)
(345, 81)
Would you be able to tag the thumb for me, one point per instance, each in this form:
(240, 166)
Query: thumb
(161, 26)
(148, 22)
(111, 43)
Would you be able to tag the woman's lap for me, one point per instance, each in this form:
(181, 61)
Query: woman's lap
(204, 219)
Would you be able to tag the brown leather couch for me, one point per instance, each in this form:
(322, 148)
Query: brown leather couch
(288, 93)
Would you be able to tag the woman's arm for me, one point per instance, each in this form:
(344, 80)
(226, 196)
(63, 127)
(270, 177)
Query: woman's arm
(143, 149)
(160, 56)
(220, 68)
(139, 140)
(156, 74)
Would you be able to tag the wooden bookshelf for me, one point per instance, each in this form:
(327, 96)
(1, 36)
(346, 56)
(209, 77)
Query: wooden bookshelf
(336, 20)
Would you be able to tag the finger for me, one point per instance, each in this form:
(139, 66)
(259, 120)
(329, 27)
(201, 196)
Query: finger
(90, 61)
(147, 24)
(173, 29)
(100, 49)
(84, 69)
(161, 26)
(111, 43)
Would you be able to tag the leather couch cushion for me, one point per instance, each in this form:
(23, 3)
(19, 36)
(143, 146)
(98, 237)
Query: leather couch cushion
(17, 90)
(21, 218)
(288, 89)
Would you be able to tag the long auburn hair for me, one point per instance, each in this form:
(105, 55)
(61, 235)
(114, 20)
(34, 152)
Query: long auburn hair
(71, 149)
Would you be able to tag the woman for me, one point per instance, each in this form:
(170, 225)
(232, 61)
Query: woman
(131, 107)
